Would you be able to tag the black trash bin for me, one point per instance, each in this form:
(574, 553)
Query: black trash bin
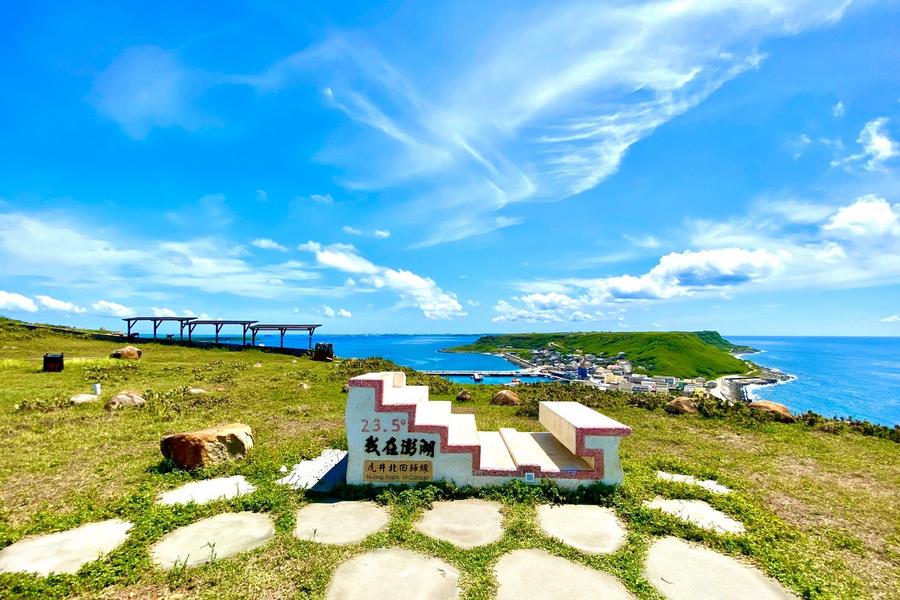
(53, 363)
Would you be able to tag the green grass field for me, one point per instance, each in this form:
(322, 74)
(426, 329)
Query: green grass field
(676, 353)
(821, 509)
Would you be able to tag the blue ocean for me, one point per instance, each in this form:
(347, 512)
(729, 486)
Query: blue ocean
(836, 376)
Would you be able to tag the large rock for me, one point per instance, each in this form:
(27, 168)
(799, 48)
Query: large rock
(124, 399)
(83, 398)
(207, 446)
(779, 411)
(128, 353)
(464, 396)
(681, 406)
(506, 398)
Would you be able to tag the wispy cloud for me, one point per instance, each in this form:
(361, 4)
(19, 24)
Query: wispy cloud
(322, 198)
(268, 244)
(876, 147)
(891, 319)
(112, 309)
(12, 301)
(55, 304)
(351, 230)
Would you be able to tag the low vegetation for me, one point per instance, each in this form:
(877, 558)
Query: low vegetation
(820, 507)
(676, 353)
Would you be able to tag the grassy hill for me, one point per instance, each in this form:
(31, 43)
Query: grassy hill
(820, 505)
(678, 353)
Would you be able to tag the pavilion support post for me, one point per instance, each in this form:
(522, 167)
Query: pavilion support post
(253, 339)
(155, 327)
(310, 339)
(282, 337)
(218, 329)
(130, 323)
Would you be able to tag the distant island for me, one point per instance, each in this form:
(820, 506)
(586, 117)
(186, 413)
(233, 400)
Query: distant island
(674, 353)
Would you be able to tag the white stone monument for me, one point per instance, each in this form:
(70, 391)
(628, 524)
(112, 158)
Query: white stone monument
(397, 435)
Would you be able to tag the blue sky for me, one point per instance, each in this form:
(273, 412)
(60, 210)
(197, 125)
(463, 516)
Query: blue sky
(455, 167)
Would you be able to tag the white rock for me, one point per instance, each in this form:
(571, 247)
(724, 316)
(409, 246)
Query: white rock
(201, 492)
(697, 512)
(708, 484)
(340, 522)
(212, 539)
(196, 391)
(464, 523)
(83, 398)
(306, 474)
(592, 529)
(63, 552)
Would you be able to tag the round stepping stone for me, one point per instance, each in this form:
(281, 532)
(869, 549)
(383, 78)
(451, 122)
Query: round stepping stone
(697, 512)
(539, 574)
(683, 571)
(465, 523)
(396, 574)
(63, 552)
(592, 529)
(340, 522)
(708, 484)
(211, 539)
(202, 492)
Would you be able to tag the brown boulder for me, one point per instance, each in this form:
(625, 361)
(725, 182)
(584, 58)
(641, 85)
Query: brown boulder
(123, 399)
(464, 396)
(779, 411)
(208, 446)
(506, 398)
(681, 406)
(128, 353)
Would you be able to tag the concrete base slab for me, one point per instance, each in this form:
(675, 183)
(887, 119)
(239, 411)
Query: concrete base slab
(201, 492)
(683, 571)
(699, 513)
(396, 574)
(63, 552)
(539, 574)
(211, 539)
(464, 523)
(592, 529)
(320, 474)
(340, 522)
(708, 484)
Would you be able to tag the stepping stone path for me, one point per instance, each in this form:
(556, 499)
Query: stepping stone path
(305, 475)
(340, 522)
(63, 552)
(539, 574)
(699, 513)
(464, 523)
(396, 574)
(708, 484)
(211, 539)
(683, 571)
(592, 529)
(202, 492)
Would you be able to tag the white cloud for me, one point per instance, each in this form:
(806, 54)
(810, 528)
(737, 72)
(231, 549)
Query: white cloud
(163, 312)
(868, 215)
(648, 241)
(412, 289)
(147, 87)
(268, 244)
(322, 198)
(344, 313)
(59, 305)
(877, 147)
(262, 196)
(351, 230)
(891, 319)
(838, 110)
(16, 302)
(381, 234)
(341, 313)
(112, 309)
(327, 311)
(473, 303)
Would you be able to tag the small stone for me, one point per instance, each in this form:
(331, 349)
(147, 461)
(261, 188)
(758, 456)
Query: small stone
(212, 539)
(83, 398)
(201, 492)
(707, 484)
(464, 396)
(681, 406)
(257, 365)
(208, 446)
(683, 571)
(539, 574)
(699, 513)
(779, 411)
(506, 398)
(591, 529)
(345, 388)
(464, 523)
(123, 400)
(127, 353)
(65, 551)
(340, 522)
(196, 391)
(304, 386)
(396, 574)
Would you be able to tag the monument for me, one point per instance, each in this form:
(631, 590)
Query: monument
(395, 434)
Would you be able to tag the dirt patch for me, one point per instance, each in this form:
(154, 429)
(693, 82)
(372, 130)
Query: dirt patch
(736, 441)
